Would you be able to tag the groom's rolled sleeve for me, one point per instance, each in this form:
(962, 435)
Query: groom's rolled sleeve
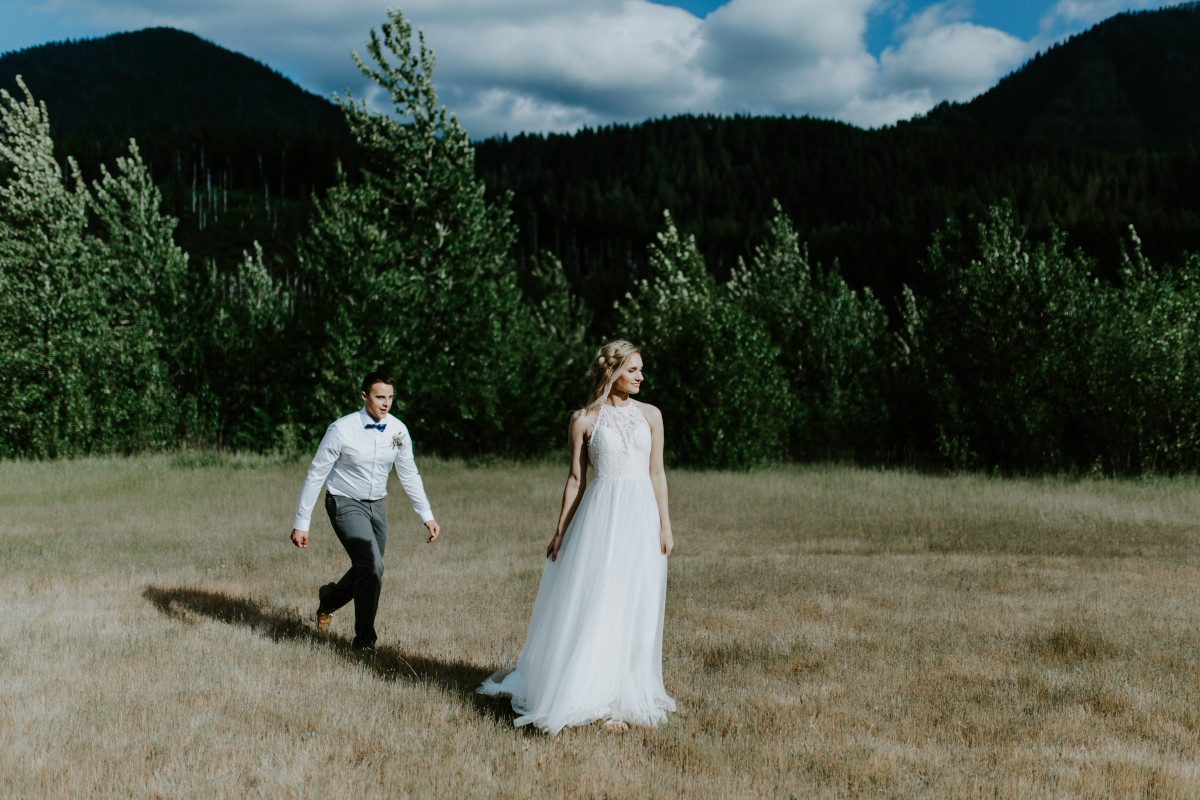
(410, 479)
(322, 464)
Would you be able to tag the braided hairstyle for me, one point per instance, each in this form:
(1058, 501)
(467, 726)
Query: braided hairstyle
(608, 364)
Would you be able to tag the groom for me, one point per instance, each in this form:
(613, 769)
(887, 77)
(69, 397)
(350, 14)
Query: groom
(353, 461)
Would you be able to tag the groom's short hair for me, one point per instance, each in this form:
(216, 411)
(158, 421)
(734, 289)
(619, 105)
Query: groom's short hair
(374, 378)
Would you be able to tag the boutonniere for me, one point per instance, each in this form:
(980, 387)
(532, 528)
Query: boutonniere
(398, 440)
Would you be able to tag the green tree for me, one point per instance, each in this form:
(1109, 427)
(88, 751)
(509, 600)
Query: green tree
(50, 330)
(711, 367)
(1004, 338)
(91, 290)
(144, 295)
(1142, 410)
(561, 324)
(835, 348)
(245, 350)
(409, 270)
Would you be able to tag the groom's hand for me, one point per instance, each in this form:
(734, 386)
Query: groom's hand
(299, 538)
(434, 530)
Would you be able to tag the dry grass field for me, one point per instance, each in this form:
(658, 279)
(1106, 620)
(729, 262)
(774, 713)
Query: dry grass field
(830, 632)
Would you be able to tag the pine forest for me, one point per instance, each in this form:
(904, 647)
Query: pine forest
(1011, 284)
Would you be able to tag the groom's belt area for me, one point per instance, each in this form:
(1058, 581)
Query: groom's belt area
(358, 499)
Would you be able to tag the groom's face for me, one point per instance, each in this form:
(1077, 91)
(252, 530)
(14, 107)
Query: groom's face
(379, 400)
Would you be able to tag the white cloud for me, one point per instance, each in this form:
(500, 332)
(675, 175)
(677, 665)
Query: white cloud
(1066, 17)
(519, 111)
(932, 17)
(1087, 12)
(788, 28)
(813, 59)
(571, 65)
(887, 108)
(955, 61)
(781, 57)
(628, 50)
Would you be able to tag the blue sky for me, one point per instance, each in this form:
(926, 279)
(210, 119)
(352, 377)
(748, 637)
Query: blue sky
(558, 65)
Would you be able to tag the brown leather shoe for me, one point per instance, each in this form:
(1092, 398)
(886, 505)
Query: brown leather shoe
(323, 621)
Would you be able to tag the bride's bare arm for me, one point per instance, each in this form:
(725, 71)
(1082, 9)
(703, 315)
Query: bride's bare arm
(658, 477)
(577, 434)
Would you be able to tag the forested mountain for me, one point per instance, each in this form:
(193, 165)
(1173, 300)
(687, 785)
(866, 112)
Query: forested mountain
(1042, 335)
(161, 80)
(869, 200)
(236, 148)
(1096, 135)
(1130, 82)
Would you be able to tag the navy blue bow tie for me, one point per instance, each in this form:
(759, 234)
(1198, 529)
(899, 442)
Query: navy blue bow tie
(379, 427)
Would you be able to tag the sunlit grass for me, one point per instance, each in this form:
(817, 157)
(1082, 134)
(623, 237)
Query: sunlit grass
(830, 632)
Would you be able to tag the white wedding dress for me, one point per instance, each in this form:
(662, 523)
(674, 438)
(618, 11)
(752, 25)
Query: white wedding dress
(594, 647)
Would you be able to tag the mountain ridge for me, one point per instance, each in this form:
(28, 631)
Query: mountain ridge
(156, 79)
(1130, 82)
(236, 148)
(866, 199)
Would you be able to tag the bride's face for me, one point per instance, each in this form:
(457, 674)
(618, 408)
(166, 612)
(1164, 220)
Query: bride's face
(630, 379)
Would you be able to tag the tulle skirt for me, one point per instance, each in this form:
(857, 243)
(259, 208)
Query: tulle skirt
(594, 647)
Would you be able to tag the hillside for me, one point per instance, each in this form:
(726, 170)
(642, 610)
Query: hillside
(226, 136)
(1092, 136)
(868, 200)
(1099, 134)
(159, 80)
(1130, 82)
(1018, 355)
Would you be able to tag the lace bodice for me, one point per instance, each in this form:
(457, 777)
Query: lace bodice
(619, 447)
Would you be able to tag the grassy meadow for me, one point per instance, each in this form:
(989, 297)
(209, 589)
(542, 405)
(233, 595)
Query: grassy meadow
(830, 632)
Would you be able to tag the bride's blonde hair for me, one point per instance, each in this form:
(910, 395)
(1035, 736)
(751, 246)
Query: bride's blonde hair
(608, 364)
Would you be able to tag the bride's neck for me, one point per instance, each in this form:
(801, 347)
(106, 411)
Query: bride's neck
(616, 398)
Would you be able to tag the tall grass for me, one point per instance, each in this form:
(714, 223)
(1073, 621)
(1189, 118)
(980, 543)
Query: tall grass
(831, 632)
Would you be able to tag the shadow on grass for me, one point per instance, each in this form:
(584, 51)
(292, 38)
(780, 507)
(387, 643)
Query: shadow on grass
(280, 624)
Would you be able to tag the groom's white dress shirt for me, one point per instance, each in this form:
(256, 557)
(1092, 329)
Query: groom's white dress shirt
(353, 460)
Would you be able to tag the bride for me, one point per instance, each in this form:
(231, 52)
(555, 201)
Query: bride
(594, 647)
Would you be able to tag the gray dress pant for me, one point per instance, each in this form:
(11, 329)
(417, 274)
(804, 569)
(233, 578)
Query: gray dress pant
(361, 526)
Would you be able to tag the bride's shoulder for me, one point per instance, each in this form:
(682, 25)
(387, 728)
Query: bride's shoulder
(650, 412)
(583, 417)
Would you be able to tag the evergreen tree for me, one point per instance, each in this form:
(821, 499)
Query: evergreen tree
(834, 345)
(711, 366)
(1004, 337)
(246, 354)
(1142, 407)
(52, 336)
(142, 283)
(91, 295)
(410, 270)
(561, 324)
